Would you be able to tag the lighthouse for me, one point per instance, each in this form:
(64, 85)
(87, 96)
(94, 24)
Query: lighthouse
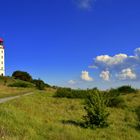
(2, 63)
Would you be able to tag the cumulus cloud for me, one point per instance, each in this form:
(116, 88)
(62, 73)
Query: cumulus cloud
(106, 61)
(127, 74)
(84, 4)
(137, 52)
(85, 76)
(105, 75)
(119, 64)
(72, 82)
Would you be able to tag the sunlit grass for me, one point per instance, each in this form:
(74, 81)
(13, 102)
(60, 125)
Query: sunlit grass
(13, 91)
(6, 91)
(42, 117)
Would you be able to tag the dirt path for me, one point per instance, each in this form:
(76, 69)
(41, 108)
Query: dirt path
(3, 100)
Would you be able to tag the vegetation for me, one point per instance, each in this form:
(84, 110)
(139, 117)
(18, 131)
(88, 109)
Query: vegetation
(39, 84)
(138, 116)
(6, 90)
(72, 93)
(41, 117)
(21, 84)
(13, 91)
(4, 80)
(95, 107)
(21, 75)
(114, 99)
(126, 89)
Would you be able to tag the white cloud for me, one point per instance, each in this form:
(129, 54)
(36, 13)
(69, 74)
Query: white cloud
(105, 75)
(137, 52)
(85, 76)
(108, 60)
(127, 74)
(84, 4)
(72, 82)
(120, 64)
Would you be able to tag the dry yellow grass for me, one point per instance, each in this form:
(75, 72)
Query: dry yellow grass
(12, 91)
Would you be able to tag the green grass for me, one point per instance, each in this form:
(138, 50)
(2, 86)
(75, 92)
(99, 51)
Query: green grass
(13, 91)
(6, 91)
(42, 117)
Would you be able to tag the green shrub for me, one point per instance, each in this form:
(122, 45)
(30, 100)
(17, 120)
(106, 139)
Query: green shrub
(138, 116)
(39, 84)
(19, 84)
(95, 107)
(70, 93)
(21, 75)
(113, 99)
(126, 89)
(47, 85)
(117, 102)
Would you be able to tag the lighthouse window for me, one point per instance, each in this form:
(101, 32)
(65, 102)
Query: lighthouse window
(2, 57)
(2, 62)
(1, 51)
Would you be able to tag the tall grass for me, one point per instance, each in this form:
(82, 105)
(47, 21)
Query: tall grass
(138, 116)
(42, 117)
(12, 91)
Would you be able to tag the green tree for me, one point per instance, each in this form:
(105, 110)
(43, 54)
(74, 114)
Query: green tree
(95, 107)
(22, 76)
(39, 84)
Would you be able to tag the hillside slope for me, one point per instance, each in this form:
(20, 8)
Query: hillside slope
(43, 117)
(6, 90)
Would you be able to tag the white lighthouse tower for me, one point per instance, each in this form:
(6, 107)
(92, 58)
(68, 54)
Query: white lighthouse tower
(2, 57)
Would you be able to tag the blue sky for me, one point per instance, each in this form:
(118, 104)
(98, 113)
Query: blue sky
(76, 43)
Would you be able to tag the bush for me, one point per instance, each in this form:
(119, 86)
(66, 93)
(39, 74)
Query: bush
(39, 84)
(95, 107)
(19, 84)
(138, 116)
(70, 93)
(4, 79)
(47, 85)
(117, 102)
(113, 99)
(126, 89)
(21, 75)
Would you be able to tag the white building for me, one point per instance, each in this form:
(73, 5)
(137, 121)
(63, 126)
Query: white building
(2, 63)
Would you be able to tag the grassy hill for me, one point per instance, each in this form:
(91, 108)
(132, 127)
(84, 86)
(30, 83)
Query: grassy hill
(6, 90)
(43, 117)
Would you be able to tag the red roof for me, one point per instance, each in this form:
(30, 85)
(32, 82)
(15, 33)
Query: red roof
(1, 40)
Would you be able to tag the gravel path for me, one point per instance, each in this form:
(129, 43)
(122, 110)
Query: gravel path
(3, 100)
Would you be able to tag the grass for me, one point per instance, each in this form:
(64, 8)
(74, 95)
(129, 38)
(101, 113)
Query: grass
(13, 91)
(42, 117)
(6, 91)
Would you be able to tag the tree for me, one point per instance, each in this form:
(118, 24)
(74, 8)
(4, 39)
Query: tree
(95, 108)
(22, 76)
(39, 84)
